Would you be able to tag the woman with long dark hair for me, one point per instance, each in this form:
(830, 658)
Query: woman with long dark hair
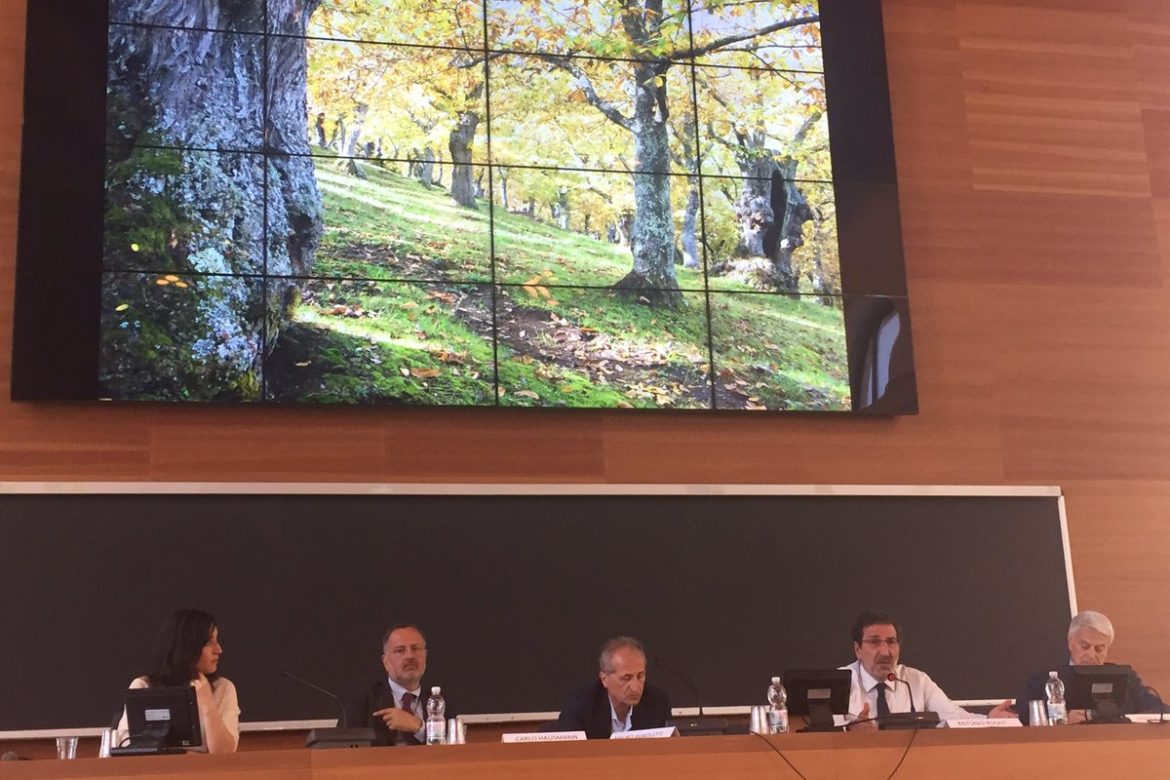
(187, 653)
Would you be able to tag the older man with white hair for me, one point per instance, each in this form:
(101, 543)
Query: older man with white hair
(1090, 635)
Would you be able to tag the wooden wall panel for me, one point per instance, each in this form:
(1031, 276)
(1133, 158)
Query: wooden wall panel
(1052, 99)
(1156, 123)
(1032, 143)
(922, 42)
(1149, 26)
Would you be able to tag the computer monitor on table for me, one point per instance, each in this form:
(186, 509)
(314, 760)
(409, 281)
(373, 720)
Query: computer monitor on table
(161, 720)
(818, 694)
(1102, 689)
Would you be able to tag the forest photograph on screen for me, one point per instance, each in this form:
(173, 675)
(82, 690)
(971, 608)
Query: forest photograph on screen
(598, 204)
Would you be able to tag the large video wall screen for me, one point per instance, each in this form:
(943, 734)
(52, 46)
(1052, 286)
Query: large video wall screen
(604, 204)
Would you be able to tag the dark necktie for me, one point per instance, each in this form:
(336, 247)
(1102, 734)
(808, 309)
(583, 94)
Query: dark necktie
(401, 737)
(883, 706)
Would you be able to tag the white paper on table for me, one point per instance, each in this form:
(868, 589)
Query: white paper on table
(981, 723)
(665, 731)
(544, 736)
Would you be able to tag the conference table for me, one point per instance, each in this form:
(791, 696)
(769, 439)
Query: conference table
(1123, 751)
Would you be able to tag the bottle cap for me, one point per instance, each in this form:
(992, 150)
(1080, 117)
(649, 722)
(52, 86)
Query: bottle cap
(775, 680)
(434, 690)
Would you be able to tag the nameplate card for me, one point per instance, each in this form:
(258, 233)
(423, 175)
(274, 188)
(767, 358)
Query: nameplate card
(981, 723)
(665, 731)
(545, 736)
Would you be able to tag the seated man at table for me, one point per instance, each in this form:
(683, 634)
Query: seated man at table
(882, 686)
(395, 706)
(620, 699)
(1090, 635)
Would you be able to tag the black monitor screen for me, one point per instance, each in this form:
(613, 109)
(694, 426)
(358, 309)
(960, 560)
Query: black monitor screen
(163, 717)
(818, 693)
(1097, 687)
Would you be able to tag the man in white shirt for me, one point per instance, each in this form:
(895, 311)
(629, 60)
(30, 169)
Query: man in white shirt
(882, 686)
(394, 706)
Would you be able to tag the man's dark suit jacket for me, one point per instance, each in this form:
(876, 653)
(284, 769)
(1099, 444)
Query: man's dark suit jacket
(1138, 697)
(588, 710)
(359, 711)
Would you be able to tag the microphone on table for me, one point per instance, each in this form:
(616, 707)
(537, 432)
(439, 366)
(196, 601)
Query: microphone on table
(700, 724)
(342, 721)
(658, 662)
(912, 719)
(1161, 705)
(891, 677)
(335, 737)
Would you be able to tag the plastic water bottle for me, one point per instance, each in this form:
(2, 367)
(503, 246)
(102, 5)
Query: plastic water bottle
(777, 707)
(436, 718)
(1057, 711)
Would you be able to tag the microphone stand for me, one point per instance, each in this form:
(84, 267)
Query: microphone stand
(692, 726)
(907, 720)
(341, 736)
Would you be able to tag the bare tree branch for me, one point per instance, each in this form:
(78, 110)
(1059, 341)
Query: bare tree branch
(802, 133)
(610, 110)
(605, 196)
(632, 21)
(720, 43)
(477, 60)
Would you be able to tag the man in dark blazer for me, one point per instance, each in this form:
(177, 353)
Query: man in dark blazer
(1090, 635)
(620, 699)
(395, 707)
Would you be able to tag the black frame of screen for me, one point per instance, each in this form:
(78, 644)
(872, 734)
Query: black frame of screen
(57, 317)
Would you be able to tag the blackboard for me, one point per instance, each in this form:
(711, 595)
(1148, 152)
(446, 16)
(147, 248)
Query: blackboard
(516, 592)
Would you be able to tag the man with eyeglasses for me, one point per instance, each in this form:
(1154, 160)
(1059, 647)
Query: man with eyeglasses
(882, 686)
(395, 706)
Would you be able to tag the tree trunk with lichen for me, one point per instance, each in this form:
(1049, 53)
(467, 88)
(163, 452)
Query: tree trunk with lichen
(353, 148)
(652, 277)
(459, 144)
(796, 212)
(190, 234)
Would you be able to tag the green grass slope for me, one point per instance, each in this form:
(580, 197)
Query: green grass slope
(402, 309)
